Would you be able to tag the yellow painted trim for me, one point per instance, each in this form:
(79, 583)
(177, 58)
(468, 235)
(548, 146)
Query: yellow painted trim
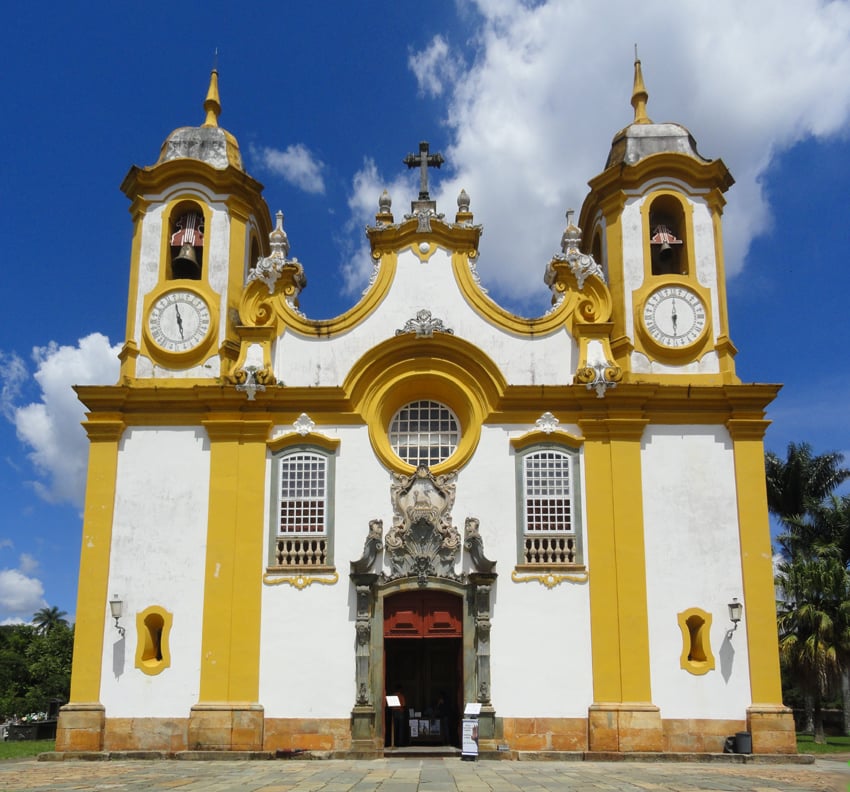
(443, 368)
(697, 667)
(144, 641)
(485, 307)
(538, 436)
(230, 644)
(550, 579)
(295, 439)
(298, 580)
(756, 560)
(104, 432)
(259, 308)
(128, 361)
(618, 610)
(144, 403)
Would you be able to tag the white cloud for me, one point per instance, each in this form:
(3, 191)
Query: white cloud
(20, 595)
(435, 67)
(548, 86)
(27, 564)
(13, 375)
(296, 164)
(50, 428)
(367, 186)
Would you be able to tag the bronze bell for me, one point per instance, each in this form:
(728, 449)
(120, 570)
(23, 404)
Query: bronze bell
(185, 264)
(665, 252)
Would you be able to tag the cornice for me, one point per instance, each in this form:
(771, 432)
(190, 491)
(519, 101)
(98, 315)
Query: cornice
(173, 404)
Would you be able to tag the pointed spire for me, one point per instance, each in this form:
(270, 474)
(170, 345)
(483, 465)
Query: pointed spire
(639, 95)
(212, 104)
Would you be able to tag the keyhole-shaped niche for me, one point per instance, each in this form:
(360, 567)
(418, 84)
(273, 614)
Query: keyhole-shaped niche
(153, 629)
(695, 624)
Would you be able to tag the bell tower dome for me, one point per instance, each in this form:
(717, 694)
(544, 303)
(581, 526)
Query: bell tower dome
(200, 224)
(653, 220)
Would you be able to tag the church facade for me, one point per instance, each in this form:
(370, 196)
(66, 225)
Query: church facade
(560, 519)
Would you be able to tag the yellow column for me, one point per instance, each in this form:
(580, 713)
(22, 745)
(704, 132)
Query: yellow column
(228, 715)
(81, 722)
(769, 721)
(622, 717)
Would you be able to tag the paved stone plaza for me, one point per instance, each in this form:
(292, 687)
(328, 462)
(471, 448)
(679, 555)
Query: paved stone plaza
(427, 775)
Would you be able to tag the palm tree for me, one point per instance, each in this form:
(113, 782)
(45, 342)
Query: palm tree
(46, 619)
(797, 488)
(814, 623)
(801, 480)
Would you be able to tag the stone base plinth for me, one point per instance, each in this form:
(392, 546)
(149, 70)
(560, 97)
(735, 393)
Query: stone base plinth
(624, 727)
(146, 734)
(772, 728)
(307, 734)
(545, 734)
(226, 727)
(698, 735)
(80, 727)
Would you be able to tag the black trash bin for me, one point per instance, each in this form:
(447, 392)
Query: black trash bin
(743, 743)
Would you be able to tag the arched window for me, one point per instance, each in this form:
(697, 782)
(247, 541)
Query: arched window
(424, 433)
(667, 242)
(187, 243)
(548, 512)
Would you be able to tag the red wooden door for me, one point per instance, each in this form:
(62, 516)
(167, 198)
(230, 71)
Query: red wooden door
(423, 614)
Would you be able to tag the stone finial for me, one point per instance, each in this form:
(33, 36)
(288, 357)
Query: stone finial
(277, 238)
(463, 213)
(385, 215)
(571, 238)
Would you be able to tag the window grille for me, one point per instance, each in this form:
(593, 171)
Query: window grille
(547, 492)
(549, 525)
(424, 433)
(303, 494)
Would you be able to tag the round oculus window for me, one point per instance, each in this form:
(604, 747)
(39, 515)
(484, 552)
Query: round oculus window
(424, 433)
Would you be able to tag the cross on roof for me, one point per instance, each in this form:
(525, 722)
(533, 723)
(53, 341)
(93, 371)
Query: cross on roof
(423, 160)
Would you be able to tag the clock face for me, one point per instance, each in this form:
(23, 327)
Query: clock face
(179, 320)
(674, 316)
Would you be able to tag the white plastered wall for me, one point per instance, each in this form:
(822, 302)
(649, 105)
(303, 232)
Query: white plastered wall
(540, 645)
(157, 558)
(693, 560)
(319, 361)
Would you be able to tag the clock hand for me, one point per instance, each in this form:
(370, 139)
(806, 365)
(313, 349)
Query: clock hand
(179, 320)
(673, 317)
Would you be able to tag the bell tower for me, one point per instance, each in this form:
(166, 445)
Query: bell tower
(200, 223)
(654, 221)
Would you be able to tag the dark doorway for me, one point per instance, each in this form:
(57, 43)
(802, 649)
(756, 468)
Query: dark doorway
(423, 663)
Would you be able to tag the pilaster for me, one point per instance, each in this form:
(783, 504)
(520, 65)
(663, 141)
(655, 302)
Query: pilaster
(622, 717)
(771, 723)
(227, 716)
(81, 722)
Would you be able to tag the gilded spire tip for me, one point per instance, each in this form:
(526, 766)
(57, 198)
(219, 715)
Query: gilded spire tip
(212, 104)
(639, 94)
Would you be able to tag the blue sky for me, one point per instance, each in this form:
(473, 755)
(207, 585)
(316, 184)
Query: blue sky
(326, 99)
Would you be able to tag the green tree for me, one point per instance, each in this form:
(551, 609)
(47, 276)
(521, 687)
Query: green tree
(814, 623)
(799, 495)
(46, 619)
(801, 480)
